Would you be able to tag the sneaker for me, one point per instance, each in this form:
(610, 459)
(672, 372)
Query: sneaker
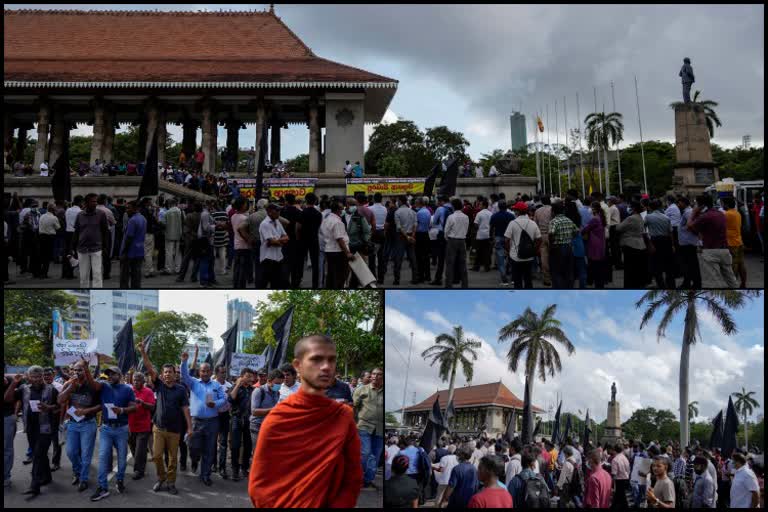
(137, 476)
(172, 489)
(75, 480)
(100, 494)
(120, 487)
(83, 486)
(160, 486)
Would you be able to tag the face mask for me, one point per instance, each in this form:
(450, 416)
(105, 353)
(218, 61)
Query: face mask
(352, 209)
(275, 387)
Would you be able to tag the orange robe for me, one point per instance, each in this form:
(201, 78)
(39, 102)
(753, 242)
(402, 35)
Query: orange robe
(307, 455)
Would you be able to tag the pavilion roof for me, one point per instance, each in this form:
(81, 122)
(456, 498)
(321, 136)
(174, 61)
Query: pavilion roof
(494, 393)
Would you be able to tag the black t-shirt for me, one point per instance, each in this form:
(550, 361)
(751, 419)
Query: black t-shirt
(241, 405)
(339, 390)
(168, 411)
(390, 221)
(8, 407)
(310, 223)
(400, 491)
(33, 418)
(293, 215)
(84, 397)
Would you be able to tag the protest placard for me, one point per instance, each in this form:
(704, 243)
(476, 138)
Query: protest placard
(240, 361)
(70, 351)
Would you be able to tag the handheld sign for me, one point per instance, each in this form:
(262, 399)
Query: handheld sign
(363, 273)
(240, 361)
(70, 351)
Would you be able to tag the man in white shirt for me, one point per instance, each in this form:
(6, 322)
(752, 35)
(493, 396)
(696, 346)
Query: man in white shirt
(483, 237)
(522, 263)
(745, 491)
(390, 452)
(70, 216)
(514, 466)
(273, 237)
(456, 227)
(337, 252)
(479, 171)
(48, 226)
(443, 471)
(348, 170)
(378, 238)
(44, 169)
(289, 385)
(493, 171)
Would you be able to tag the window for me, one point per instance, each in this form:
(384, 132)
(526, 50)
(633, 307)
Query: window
(118, 294)
(118, 304)
(120, 317)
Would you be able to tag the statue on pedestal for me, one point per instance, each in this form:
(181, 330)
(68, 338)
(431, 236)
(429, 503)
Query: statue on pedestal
(613, 392)
(686, 73)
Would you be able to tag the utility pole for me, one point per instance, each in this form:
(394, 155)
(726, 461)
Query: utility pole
(405, 387)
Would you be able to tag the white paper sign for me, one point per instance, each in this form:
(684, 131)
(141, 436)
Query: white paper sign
(362, 272)
(240, 361)
(69, 351)
(71, 412)
(111, 411)
(34, 405)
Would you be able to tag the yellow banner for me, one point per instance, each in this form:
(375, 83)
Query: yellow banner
(299, 191)
(385, 186)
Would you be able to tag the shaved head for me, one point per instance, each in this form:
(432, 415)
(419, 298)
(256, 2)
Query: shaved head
(302, 346)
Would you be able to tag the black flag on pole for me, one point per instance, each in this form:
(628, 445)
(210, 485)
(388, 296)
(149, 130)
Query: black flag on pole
(716, 438)
(147, 346)
(282, 331)
(587, 431)
(537, 428)
(436, 415)
(224, 354)
(61, 182)
(268, 351)
(730, 429)
(429, 184)
(450, 412)
(509, 433)
(262, 163)
(149, 182)
(449, 181)
(556, 426)
(527, 436)
(124, 349)
(567, 430)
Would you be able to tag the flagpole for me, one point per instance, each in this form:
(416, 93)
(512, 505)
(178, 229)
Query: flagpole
(599, 172)
(618, 151)
(405, 387)
(549, 160)
(581, 156)
(557, 155)
(640, 123)
(605, 152)
(536, 145)
(568, 156)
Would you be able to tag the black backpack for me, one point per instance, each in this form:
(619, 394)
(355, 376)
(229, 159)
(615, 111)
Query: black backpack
(525, 248)
(681, 492)
(535, 493)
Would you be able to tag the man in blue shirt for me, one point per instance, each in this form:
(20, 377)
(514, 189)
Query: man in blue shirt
(441, 214)
(423, 216)
(132, 249)
(118, 400)
(463, 483)
(205, 398)
(499, 222)
(357, 170)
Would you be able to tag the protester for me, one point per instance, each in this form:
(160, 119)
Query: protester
(273, 238)
(493, 493)
(745, 492)
(632, 239)
(561, 258)
(263, 400)
(662, 495)
(456, 228)
(132, 248)
(140, 424)
(523, 241)
(733, 238)
(89, 242)
(368, 402)
(462, 484)
(401, 491)
(716, 261)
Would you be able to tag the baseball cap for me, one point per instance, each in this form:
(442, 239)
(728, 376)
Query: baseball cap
(112, 369)
(520, 206)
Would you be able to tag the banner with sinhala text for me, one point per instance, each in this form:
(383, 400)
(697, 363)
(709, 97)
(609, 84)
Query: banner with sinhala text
(276, 187)
(385, 186)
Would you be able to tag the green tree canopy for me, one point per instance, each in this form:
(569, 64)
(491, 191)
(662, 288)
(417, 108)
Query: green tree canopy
(444, 143)
(298, 164)
(171, 331)
(648, 424)
(28, 318)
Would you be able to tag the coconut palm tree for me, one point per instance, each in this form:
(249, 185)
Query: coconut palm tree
(745, 404)
(604, 130)
(451, 350)
(534, 334)
(672, 302)
(707, 106)
(693, 409)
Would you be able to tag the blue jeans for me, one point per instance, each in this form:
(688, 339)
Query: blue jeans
(9, 433)
(638, 493)
(501, 258)
(206, 263)
(580, 269)
(81, 438)
(116, 437)
(371, 446)
(203, 443)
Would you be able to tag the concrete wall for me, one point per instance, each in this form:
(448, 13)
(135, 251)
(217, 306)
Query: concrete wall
(691, 136)
(344, 138)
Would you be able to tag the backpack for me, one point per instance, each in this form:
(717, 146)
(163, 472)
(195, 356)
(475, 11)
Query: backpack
(576, 485)
(681, 492)
(535, 493)
(525, 248)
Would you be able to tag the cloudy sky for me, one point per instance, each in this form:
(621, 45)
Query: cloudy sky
(470, 66)
(603, 326)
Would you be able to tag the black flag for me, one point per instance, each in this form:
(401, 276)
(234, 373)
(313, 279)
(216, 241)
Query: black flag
(449, 181)
(209, 358)
(436, 416)
(124, 349)
(716, 439)
(587, 431)
(527, 436)
(509, 434)
(61, 182)
(148, 344)
(149, 182)
(429, 184)
(536, 430)
(268, 351)
(224, 354)
(282, 331)
(556, 426)
(450, 412)
(262, 163)
(567, 430)
(729, 429)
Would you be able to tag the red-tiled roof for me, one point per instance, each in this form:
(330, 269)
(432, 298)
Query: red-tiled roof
(494, 393)
(118, 46)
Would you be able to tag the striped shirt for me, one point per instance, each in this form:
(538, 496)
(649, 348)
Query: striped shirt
(221, 237)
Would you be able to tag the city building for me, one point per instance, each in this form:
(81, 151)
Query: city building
(488, 405)
(78, 326)
(108, 310)
(204, 346)
(242, 312)
(518, 131)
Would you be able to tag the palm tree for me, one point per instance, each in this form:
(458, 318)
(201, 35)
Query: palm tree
(707, 106)
(745, 404)
(449, 350)
(601, 129)
(693, 409)
(719, 303)
(533, 334)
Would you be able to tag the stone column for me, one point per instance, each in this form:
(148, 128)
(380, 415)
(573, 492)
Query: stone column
(152, 122)
(274, 150)
(109, 136)
(314, 140)
(233, 138)
(97, 144)
(188, 142)
(261, 117)
(344, 124)
(21, 143)
(7, 135)
(208, 127)
(162, 136)
(43, 125)
(57, 138)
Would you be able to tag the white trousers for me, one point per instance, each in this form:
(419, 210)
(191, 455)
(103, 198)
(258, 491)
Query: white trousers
(90, 262)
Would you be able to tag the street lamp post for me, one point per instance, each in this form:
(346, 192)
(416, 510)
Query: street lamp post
(405, 387)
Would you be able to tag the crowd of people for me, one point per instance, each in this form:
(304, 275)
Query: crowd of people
(478, 472)
(203, 419)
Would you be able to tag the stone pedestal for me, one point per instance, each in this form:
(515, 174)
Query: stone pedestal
(612, 433)
(695, 169)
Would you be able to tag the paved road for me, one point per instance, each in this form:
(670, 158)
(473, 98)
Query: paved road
(139, 494)
(482, 279)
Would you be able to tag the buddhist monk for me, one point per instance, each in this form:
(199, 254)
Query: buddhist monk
(308, 450)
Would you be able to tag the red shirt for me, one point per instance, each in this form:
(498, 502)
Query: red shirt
(141, 420)
(493, 497)
(598, 489)
(711, 226)
(199, 157)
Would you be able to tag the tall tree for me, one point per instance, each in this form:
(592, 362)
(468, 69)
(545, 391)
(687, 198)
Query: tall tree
(603, 131)
(444, 143)
(452, 350)
(171, 331)
(745, 405)
(535, 336)
(672, 302)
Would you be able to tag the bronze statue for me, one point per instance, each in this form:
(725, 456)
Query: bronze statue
(686, 73)
(613, 392)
